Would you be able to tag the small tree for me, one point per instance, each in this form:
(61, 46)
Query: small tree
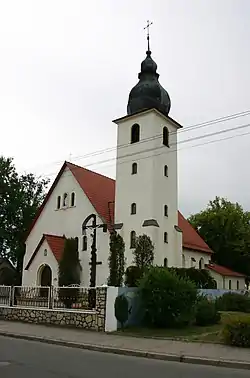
(116, 260)
(144, 252)
(69, 272)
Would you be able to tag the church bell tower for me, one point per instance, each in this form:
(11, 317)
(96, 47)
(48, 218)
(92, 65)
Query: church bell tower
(146, 199)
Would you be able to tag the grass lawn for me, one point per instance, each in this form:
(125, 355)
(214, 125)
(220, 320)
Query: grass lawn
(192, 333)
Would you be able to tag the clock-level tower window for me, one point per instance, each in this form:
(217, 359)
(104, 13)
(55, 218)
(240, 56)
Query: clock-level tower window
(165, 136)
(135, 133)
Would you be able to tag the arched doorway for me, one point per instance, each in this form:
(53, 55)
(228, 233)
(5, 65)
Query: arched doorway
(46, 276)
(44, 279)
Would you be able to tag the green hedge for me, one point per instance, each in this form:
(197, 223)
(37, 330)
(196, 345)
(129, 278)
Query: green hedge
(168, 300)
(233, 302)
(206, 312)
(201, 277)
(237, 332)
(133, 275)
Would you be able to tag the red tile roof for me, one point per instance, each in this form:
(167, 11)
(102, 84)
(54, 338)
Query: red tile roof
(191, 239)
(222, 270)
(101, 192)
(56, 244)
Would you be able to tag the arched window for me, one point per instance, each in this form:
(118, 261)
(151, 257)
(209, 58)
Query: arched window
(58, 205)
(230, 284)
(132, 239)
(65, 199)
(183, 261)
(134, 168)
(165, 237)
(165, 136)
(166, 210)
(165, 170)
(133, 208)
(73, 197)
(84, 243)
(201, 263)
(165, 262)
(238, 285)
(193, 262)
(135, 133)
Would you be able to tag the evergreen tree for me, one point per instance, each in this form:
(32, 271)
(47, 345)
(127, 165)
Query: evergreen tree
(69, 272)
(143, 252)
(116, 260)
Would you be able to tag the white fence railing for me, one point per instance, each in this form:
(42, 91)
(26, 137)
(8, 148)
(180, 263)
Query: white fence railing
(72, 297)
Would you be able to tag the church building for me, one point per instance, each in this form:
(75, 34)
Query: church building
(142, 200)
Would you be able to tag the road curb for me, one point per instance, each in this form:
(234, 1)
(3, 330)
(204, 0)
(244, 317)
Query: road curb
(135, 353)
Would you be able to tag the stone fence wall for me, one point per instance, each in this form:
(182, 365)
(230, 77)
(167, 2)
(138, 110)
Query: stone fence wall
(88, 319)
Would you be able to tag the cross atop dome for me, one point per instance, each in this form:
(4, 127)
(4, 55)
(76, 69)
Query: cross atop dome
(148, 92)
(147, 27)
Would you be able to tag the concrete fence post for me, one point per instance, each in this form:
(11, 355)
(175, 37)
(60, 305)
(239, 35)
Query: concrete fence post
(111, 321)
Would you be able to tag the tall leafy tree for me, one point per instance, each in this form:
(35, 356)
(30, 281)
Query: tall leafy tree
(225, 227)
(143, 252)
(116, 260)
(20, 198)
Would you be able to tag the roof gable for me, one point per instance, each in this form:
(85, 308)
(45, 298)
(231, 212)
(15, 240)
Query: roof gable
(100, 191)
(56, 244)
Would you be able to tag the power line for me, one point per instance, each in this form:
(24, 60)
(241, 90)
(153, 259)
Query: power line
(186, 129)
(171, 150)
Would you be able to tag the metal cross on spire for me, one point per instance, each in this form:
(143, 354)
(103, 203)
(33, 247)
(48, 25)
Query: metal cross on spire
(149, 23)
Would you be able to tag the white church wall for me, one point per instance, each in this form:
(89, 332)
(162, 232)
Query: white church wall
(150, 189)
(31, 277)
(223, 282)
(69, 221)
(196, 255)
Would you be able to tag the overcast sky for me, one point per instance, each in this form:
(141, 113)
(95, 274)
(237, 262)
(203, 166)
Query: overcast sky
(67, 66)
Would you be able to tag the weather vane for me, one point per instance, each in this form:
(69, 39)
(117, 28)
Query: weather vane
(147, 27)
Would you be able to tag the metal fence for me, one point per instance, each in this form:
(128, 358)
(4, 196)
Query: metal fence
(58, 298)
(26, 296)
(77, 298)
(5, 296)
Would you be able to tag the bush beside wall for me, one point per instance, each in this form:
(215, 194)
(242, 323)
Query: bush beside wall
(168, 299)
(237, 332)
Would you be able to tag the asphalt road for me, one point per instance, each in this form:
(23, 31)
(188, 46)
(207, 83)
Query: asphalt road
(28, 359)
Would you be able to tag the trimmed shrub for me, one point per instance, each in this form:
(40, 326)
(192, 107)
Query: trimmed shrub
(233, 302)
(116, 260)
(121, 309)
(167, 299)
(206, 312)
(132, 276)
(237, 332)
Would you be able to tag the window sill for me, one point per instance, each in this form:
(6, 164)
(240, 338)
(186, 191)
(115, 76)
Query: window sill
(66, 208)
